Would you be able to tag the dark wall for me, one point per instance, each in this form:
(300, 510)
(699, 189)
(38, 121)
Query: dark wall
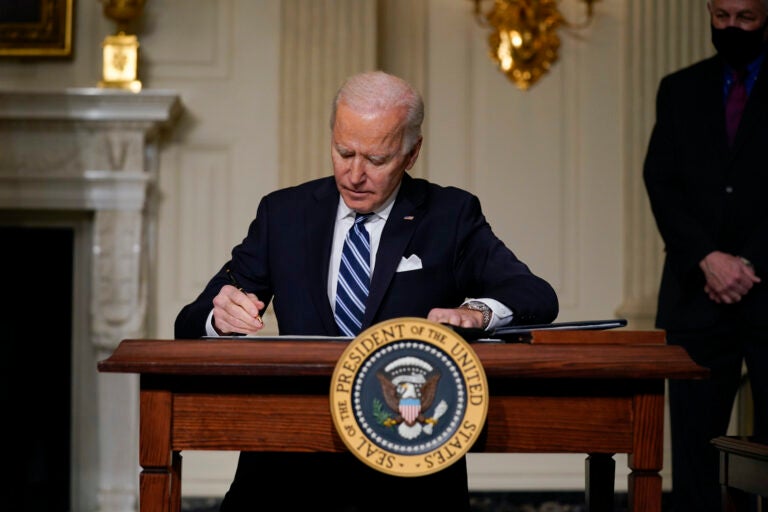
(35, 366)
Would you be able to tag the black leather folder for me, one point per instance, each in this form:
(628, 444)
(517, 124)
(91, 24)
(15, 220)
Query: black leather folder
(522, 333)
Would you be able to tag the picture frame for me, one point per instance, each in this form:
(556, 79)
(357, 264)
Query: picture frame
(42, 28)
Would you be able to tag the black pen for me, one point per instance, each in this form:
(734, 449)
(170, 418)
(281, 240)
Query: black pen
(236, 284)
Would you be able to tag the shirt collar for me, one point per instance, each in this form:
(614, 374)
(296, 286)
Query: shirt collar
(752, 68)
(344, 211)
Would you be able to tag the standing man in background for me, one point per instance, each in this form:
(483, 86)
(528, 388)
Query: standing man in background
(706, 173)
(339, 254)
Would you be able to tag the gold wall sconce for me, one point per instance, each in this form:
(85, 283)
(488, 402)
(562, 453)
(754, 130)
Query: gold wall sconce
(121, 51)
(523, 40)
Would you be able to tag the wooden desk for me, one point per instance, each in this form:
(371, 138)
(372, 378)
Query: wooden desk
(592, 392)
(743, 472)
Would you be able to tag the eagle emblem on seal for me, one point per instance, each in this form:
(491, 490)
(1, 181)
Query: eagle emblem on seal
(409, 385)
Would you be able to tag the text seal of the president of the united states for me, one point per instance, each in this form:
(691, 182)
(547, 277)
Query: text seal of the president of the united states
(409, 396)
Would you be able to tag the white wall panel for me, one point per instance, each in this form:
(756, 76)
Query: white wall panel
(531, 164)
(448, 94)
(190, 234)
(187, 39)
(322, 42)
(223, 156)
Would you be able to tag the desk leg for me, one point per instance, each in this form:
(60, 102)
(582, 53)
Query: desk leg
(176, 483)
(159, 482)
(645, 462)
(644, 491)
(154, 489)
(161, 492)
(600, 469)
(734, 500)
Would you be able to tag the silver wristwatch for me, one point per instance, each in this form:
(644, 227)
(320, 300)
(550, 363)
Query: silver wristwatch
(476, 305)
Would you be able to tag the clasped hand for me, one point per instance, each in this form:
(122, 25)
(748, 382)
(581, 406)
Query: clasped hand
(729, 277)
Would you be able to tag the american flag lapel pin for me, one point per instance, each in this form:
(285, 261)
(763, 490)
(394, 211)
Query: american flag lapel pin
(408, 217)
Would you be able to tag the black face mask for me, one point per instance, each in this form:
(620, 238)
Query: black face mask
(738, 47)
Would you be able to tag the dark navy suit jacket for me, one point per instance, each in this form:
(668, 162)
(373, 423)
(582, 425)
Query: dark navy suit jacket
(706, 196)
(286, 254)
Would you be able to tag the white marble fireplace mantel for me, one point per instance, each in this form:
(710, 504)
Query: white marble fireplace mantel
(94, 152)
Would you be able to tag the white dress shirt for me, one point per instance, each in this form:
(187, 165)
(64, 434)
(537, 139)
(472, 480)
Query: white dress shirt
(345, 218)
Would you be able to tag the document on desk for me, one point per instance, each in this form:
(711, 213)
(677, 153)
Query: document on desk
(508, 334)
(263, 337)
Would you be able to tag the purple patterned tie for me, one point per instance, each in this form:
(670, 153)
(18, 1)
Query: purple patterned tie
(734, 105)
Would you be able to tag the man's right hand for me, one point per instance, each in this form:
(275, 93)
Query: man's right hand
(236, 311)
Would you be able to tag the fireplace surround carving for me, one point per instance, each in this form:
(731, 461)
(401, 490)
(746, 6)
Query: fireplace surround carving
(89, 158)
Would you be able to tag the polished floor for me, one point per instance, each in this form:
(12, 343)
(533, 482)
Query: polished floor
(481, 502)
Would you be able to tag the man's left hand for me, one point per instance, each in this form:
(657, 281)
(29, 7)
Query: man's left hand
(460, 317)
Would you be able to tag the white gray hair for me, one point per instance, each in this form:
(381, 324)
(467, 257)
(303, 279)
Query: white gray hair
(375, 91)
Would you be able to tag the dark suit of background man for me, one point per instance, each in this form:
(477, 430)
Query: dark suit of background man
(433, 255)
(710, 200)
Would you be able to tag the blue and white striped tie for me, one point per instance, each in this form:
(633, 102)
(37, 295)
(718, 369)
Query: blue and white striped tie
(354, 278)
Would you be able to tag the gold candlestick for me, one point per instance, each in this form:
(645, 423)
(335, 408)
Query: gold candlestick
(121, 50)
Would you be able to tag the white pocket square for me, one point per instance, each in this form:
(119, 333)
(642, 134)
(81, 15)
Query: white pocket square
(412, 262)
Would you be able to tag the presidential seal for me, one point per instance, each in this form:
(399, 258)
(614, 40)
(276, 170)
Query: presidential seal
(409, 397)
